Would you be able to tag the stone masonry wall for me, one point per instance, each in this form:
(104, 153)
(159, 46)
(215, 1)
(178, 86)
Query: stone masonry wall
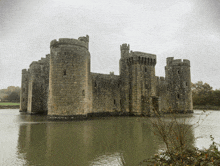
(38, 86)
(106, 93)
(162, 92)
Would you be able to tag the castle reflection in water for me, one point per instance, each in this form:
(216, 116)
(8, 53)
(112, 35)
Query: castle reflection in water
(91, 142)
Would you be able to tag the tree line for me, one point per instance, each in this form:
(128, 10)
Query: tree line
(11, 94)
(203, 94)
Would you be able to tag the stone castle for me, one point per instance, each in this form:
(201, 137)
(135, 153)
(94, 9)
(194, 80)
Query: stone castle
(63, 85)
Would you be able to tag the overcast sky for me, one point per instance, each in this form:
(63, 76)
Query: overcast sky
(183, 29)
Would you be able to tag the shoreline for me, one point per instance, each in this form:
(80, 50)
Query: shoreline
(9, 106)
(205, 107)
(196, 107)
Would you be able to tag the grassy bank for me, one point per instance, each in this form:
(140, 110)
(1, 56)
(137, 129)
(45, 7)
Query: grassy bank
(9, 105)
(206, 107)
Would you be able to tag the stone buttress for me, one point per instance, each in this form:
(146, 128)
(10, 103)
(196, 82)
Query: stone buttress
(24, 91)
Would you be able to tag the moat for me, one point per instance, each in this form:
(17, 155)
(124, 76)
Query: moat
(34, 140)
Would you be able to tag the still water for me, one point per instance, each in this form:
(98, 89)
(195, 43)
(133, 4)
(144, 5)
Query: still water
(33, 140)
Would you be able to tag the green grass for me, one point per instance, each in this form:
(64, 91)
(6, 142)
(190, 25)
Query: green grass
(2, 103)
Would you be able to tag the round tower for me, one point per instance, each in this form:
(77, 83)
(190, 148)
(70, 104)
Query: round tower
(69, 92)
(179, 84)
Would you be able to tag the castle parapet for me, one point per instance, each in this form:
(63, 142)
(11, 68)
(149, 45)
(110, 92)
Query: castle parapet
(42, 60)
(142, 54)
(24, 71)
(81, 41)
(169, 60)
(141, 57)
(179, 62)
(186, 61)
(125, 46)
(84, 39)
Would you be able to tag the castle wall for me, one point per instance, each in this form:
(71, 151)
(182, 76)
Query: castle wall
(38, 86)
(34, 89)
(162, 93)
(45, 62)
(106, 93)
(69, 77)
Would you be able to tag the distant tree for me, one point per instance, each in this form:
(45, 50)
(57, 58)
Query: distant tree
(202, 93)
(14, 96)
(201, 88)
(5, 98)
(12, 93)
(215, 98)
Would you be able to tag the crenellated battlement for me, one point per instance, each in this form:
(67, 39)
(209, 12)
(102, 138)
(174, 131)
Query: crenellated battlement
(42, 60)
(186, 61)
(142, 54)
(125, 46)
(84, 39)
(81, 41)
(177, 62)
(141, 58)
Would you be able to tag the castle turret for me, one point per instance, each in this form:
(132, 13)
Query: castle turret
(124, 50)
(179, 84)
(69, 77)
(24, 91)
(124, 77)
